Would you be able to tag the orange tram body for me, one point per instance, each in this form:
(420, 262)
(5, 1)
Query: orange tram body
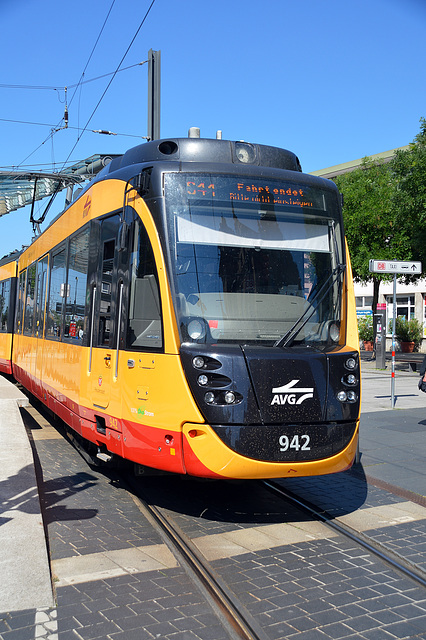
(192, 311)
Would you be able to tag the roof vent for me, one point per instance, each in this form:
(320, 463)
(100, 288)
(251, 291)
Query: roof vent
(194, 132)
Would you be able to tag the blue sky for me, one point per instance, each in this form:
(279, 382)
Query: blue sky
(331, 81)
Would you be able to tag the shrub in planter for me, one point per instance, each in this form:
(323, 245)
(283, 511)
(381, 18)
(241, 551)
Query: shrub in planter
(365, 328)
(408, 331)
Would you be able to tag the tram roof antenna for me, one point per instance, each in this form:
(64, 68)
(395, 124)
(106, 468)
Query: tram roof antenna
(194, 132)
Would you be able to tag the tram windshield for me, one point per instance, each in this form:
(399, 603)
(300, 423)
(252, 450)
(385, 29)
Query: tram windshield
(254, 260)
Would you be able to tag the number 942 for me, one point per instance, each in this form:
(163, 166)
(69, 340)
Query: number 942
(298, 443)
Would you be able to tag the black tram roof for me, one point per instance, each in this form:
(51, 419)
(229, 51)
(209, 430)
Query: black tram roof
(207, 151)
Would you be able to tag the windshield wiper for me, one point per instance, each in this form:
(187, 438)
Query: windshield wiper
(287, 339)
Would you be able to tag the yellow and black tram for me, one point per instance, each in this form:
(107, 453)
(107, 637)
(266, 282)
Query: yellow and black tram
(192, 311)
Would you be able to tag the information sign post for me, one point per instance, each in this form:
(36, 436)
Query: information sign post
(401, 268)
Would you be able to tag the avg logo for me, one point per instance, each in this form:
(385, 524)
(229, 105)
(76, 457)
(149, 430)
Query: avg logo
(291, 394)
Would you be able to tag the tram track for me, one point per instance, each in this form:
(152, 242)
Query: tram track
(391, 558)
(238, 621)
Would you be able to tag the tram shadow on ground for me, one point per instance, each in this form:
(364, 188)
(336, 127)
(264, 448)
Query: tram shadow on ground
(250, 501)
(67, 487)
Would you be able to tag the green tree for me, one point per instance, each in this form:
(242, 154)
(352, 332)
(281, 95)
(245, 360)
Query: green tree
(409, 195)
(385, 211)
(372, 228)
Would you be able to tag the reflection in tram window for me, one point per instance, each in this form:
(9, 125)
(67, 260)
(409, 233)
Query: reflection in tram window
(77, 280)
(57, 294)
(29, 301)
(4, 305)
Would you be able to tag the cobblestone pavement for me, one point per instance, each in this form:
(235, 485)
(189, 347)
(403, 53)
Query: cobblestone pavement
(115, 578)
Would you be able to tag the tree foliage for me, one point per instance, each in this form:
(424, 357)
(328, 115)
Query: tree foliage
(409, 194)
(384, 210)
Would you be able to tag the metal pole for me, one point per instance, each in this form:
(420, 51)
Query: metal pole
(393, 344)
(154, 83)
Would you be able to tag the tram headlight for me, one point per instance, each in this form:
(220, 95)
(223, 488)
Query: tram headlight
(203, 380)
(334, 332)
(342, 396)
(229, 397)
(350, 379)
(352, 396)
(350, 364)
(209, 397)
(198, 362)
(196, 329)
(245, 152)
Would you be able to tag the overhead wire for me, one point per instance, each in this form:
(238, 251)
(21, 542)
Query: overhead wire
(65, 117)
(70, 86)
(79, 84)
(66, 106)
(93, 50)
(46, 124)
(114, 74)
(55, 129)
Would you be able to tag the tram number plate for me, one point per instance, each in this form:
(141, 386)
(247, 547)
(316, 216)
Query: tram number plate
(296, 442)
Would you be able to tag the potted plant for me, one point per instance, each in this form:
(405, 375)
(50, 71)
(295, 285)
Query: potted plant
(366, 331)
(409, 333)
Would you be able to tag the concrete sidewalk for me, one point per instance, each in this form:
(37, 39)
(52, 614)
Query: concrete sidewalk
(24, 564)
(393, 439)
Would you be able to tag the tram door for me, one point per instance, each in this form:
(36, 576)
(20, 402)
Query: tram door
(104, 309)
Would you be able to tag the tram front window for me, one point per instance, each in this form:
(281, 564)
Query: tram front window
(246, 273)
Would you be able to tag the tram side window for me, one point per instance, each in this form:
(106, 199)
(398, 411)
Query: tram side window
(107, 272)
(41, 281)
(4, 304)
(106, 292)
(76, 290)
(29, 301)
(144, 320)
(21, 297)
(57, 293)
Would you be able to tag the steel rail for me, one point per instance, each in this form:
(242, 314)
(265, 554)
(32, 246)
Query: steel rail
(238, 621)
(393, 559)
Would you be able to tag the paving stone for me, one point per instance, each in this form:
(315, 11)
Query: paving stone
(19, 619)
(328, 616)
(337, 630)
(24, 633)
(377, 634)
(280, 630)
(419, 622)
(100, 630)
(314, 606)
(403, 629)
(303, 623)
(362, 623)
(216, 632)
(131, 634)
